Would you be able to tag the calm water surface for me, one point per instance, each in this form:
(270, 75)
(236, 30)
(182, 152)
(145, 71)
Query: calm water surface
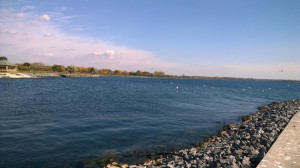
(64, 121)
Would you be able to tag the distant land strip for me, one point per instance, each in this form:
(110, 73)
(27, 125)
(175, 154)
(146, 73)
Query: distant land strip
(38, 69)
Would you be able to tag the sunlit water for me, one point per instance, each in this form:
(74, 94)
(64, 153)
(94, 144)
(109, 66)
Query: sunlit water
(62, 121)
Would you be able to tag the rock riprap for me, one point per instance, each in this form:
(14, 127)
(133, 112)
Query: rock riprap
(238, 145)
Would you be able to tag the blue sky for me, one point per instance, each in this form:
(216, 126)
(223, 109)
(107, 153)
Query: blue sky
(257, 38)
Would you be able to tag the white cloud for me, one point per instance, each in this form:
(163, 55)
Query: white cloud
(48, 34)
(8, 31)
(107, 52)
(31, 43)
(61, 18)
(110, 52)
(28, 7)
(45, 17)
(97, 53)
(62, 9)
(48, 54)
(20, 14)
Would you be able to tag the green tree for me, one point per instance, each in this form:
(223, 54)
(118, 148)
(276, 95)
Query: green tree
(132, 73)
(3, 58)
(70, 69)
(117, 72)
(58, 68)
(39, 66)
(105, 71)
(145, 73)
(138, 73)
(81, 69)
(21, 67)
(26, 64)
(159, 74)
(125, 73)
(92, 70)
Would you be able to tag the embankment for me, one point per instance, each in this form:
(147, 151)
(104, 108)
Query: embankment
(243, 144)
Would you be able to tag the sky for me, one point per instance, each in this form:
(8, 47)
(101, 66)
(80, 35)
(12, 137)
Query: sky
(233, 38)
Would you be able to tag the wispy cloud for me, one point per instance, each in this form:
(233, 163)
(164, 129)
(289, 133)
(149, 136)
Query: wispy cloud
(63, 9)
(107, 52)
(38, 38)
(48, 34)
(20, 14)
(48, 54)
(45, 17)
(60, 18)
(28, 7)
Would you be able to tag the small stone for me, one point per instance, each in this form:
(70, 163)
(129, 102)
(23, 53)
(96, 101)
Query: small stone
(208, 152)
(243, 126)
(237, 142)
(193, 161)
(114, 163)
(233, 165)
(180, 163)
(260, 156)
(206, 157)
(193, 151)
(238, 151)
(112, 166)
(254, 152)
(224, 161)
(170, 165)
(264, 141)
(132, 166)
(125, 166)
(231, 159)
(246, 161)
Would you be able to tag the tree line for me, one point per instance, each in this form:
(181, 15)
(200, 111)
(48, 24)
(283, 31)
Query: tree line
(40, 67)
(3, 58)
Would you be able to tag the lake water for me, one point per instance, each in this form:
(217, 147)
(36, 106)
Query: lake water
(63, 121)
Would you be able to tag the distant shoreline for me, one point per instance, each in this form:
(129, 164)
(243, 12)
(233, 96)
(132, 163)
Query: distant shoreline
(76, 75)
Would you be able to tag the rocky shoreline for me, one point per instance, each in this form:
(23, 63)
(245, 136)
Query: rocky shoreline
(14, 75)
(238, 145)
